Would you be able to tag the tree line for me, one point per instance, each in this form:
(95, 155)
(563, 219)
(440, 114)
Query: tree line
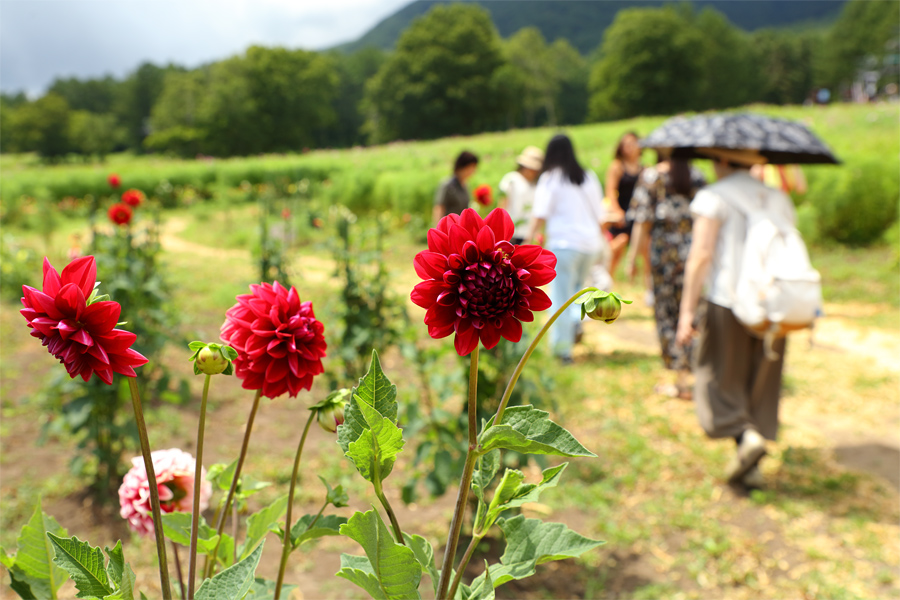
(450, 73)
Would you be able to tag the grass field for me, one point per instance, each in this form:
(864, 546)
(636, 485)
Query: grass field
(825, 527)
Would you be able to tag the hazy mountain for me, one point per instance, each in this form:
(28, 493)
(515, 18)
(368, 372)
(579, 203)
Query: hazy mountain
(583, 23)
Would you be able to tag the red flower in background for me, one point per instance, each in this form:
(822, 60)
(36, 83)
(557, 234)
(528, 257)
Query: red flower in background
(133, 198)
(484, 195)
(81, 335)
(114, 180)
(279, 341)
(120, 214)
(476, 283)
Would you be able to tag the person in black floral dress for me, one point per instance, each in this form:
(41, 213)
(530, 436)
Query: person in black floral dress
(661, 212)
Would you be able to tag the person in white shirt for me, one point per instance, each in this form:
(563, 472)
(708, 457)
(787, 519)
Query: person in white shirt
(518, 190)
(568, 203)
(736, 387)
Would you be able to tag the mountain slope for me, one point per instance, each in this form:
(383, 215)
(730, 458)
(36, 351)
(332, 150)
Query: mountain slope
(583, 23)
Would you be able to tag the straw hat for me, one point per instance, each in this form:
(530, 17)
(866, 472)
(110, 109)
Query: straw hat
(532, 157)
(741, 157)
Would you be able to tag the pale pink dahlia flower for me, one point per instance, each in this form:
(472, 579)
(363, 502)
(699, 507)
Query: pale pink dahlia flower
(175, 481)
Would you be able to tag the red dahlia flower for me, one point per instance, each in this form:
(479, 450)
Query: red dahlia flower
(477, 284)
(133, 198)
(79, 332)
(114, 180)
(483, 194)
(120, 214)
(279, 341)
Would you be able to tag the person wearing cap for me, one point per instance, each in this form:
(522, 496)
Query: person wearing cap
(736, 387)
(518, 190)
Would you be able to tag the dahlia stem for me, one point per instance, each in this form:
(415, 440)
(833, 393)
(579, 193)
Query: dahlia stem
(178, 569)
(198, 474)
(515, 376)
(463, 564)
(286, 545)
(164, 583)
(462, 495)
(395, 525)
(220, 525)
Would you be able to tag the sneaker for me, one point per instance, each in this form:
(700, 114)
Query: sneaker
(753, 478)
(749, 451)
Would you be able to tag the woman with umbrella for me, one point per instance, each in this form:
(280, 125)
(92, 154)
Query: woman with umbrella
(737, 382)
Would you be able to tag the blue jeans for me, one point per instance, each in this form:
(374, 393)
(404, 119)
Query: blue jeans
(572, 270)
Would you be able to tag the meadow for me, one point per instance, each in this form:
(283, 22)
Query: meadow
(826, 526)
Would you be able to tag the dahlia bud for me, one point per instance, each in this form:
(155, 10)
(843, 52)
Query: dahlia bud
(601, 306)
(212, 359)
(330, 411)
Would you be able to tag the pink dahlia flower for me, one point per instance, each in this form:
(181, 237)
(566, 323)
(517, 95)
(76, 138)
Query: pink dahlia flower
(279, 341)
(175, 481)
(81, 335)
(476, 283)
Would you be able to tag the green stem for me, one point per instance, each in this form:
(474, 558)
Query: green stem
(154, 490)
(462, 495)
(286, 542)
(178, 569)
(220, 525)
(316, 518)
(198, 475)
(395, 525)
(463, 564)
(519, 367)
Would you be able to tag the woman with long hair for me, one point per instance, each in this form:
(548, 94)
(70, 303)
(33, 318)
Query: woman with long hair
(568, 203)
(661, 211)
(621, 178)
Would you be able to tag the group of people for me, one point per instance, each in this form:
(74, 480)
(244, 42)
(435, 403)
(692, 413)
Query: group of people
(690, 234)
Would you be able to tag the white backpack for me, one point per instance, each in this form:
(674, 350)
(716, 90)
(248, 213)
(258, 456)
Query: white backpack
(778, 290)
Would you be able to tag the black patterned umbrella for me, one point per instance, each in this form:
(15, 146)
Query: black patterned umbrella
(780, 142)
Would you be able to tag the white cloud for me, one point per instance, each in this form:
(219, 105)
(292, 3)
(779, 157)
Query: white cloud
(44, 39)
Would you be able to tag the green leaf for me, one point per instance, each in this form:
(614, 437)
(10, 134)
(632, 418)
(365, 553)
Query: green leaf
(484, 589)
(374, 390)
(27, 588)
(177, 527)
(377, 447)
(258, 524)
(528, 430)
(264, 589)
(512, 492)
(393, 571)
(7, 560)
(531, 542)
(35, 555)
(232, 583)
(116, 566)
(327, 525)
(84, 563)
(424, 554)
(336, 496)
(485, 470)
(221, 475)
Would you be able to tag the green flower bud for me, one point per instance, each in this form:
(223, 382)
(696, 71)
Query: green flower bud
(212, 359)
(330, 411)
(601, 306)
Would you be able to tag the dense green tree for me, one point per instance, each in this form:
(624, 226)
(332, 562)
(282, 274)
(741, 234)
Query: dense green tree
(784, 66)
(41, 126)
(137, 95)
(728, 63)
(175, 123)
(572, 70)
(93, 95)
(440, 79)
(353, 70)
(651, 63)
(865, 28)
(92, 134)
(527, 52)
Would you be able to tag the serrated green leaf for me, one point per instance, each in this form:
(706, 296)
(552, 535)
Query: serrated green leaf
(512, 492)
(358, 570)
(337, 496)
(394, 571)
(177, 527)
(26, 587)
(424, 554)
(324, 526)
(264, 589)
(258, 524)
(84, 564)
(484, 589)
(376, 449)
(34, 556)
(221, 475)
(485, 470)
(531, 542)
(234, 582)
(529, 430)
(374, 390)
(116, 566)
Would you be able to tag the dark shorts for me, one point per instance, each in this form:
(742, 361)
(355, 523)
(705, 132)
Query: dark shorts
(616, 231)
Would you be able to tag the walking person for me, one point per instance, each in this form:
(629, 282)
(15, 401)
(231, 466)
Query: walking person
(452, 196)
(737, 387)
(568, 203)
(518, 190)
(662, 219)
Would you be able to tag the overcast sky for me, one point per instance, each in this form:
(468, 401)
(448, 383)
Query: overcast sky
(44, 39)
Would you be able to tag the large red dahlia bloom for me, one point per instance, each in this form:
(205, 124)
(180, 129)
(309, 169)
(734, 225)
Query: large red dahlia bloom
(279, 341)
(81, 335)
(477, 284)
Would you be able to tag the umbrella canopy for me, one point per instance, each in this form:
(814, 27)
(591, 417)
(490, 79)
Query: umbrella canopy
(780, 142)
